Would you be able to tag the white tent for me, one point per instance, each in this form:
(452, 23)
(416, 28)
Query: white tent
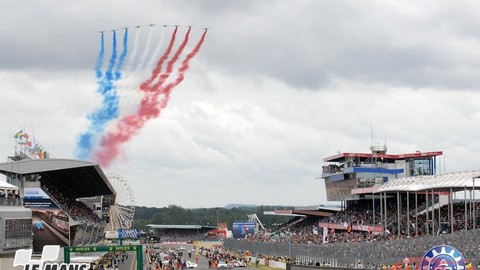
(7, 186)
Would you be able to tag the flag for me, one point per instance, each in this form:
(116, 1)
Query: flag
(28, 143)
(18, 135)
(38, 148)
(325, 233)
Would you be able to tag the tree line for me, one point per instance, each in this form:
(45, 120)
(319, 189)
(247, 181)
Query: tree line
(177, 215)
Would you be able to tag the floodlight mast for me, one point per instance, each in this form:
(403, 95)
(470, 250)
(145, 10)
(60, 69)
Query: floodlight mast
(474, 202)
(254, 218)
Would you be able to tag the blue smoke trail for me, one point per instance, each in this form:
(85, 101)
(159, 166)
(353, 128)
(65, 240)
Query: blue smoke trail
(109, 109)
(121, 60)
(101, 54)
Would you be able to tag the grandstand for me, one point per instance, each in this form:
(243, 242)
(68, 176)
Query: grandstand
(383, 197)
(52, 191)
(179, 234)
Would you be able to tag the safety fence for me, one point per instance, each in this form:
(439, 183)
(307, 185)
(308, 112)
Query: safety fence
(351, 254)
(307, 267)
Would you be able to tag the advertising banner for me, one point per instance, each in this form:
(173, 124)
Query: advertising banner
(443, 257)
(50, 223)
(354, 227)
(37, 198)
(222, 229)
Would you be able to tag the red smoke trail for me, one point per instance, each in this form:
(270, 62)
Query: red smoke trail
(181, 72)
(170, 64)
(149, 108)
(158, 67)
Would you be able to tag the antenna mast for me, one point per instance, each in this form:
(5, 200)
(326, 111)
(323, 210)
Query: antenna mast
(376, 148)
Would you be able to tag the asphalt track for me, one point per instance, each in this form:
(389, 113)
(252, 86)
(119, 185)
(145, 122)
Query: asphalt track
(202, 261)
(45, 237)
(131, 262)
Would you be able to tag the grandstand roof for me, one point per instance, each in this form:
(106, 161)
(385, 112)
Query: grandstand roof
(319, 211)
(456, 181)
(287, 213)
(83, 179)
(364, 156)
(334, 208)
(186, 227)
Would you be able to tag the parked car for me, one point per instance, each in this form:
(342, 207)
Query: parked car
(39, 225)
(222, 264)
(239, 264)
(190, 264)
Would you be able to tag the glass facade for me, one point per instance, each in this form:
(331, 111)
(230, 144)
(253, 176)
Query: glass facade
(421, 166)
(18, 234)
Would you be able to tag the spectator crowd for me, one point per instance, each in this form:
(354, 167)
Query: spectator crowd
(401, 225)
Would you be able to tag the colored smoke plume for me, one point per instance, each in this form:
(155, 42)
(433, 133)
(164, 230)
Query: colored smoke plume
(110, 103)
(150, 107)
(158, 68)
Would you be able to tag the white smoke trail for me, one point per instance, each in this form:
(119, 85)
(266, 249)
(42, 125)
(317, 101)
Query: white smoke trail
(158, 50)
(126, 87)
(143, 58)
(131, 60)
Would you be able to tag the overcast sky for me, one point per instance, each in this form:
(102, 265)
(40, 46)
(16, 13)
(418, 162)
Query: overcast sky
(276, 87)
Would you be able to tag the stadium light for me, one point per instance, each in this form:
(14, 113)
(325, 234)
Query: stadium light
(474, 202)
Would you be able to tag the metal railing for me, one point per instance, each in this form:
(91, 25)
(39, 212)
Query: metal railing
(352, 253)
(11, 201)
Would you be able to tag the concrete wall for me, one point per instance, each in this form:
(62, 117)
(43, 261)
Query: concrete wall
(6, 262)
(306, 267)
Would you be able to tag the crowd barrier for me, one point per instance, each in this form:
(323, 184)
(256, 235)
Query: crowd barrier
(11, 201)
(307, 267)
(268, 262)
(354, 253)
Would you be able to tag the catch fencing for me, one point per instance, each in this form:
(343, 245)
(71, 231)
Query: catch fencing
(351, 254)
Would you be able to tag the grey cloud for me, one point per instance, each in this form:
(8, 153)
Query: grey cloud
(304, 44)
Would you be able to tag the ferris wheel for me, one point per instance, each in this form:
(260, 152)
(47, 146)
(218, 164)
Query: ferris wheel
(123, 210)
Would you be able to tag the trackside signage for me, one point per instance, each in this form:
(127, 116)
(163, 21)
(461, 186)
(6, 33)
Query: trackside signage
(23, 257)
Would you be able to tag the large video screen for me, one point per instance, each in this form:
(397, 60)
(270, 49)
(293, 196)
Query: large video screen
(341, 190)
(50, 223)
(242, 229)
